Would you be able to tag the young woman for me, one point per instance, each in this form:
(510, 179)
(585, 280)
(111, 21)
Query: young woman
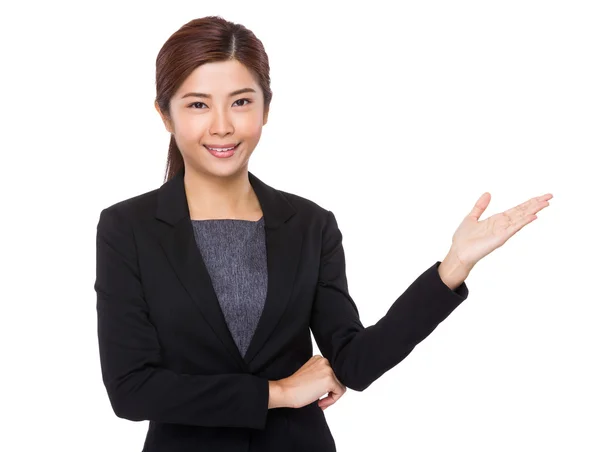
(208, 287)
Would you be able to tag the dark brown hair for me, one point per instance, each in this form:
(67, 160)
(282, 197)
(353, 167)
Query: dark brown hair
(205, 40)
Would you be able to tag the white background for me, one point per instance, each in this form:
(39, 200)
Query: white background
(396, 117)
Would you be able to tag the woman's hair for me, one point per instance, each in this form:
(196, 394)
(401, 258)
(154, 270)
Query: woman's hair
(205, 40)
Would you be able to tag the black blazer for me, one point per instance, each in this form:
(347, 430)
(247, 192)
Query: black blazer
(166, 352)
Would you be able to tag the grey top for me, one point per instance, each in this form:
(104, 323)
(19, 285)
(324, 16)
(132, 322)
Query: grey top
(235, 255)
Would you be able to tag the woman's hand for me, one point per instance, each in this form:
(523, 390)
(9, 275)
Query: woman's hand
(475, 239)
(314, 379)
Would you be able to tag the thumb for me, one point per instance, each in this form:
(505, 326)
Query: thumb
(480, 205)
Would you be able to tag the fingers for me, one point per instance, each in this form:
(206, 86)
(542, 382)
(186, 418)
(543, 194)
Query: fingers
(529, 207)
(525, 213)
(337, 389)
(333, 397)
(326, 402)
(519, 223)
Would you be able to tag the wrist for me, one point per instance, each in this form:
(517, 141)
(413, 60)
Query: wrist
(276, 394)
(453, 271)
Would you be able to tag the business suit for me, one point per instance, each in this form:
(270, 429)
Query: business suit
(167, 355)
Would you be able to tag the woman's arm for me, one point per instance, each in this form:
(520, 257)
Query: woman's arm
(138, 387)
(360, 355)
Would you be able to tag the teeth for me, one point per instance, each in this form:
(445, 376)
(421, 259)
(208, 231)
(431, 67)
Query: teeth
(221, 150)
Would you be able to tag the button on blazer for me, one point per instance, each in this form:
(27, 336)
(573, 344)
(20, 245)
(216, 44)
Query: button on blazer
(168, 357)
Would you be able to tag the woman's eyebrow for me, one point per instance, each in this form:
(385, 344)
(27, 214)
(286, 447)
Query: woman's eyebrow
(235, 93)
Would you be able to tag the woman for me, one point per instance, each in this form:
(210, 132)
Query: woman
(208, 287)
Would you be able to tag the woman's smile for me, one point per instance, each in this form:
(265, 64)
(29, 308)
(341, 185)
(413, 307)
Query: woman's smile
(222, 154)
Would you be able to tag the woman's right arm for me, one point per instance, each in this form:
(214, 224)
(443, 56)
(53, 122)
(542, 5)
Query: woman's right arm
(276, 395)
(130, 356)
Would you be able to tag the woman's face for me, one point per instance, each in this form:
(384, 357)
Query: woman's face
(205, 113)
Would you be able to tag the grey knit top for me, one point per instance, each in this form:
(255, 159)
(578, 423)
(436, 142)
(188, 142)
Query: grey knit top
(235, 255)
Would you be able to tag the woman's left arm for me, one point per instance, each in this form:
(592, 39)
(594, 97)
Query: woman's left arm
(360, 355)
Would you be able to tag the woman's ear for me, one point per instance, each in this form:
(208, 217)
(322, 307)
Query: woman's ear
(265, 116)
(165, 120)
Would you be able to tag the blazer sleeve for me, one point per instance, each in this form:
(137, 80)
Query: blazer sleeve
(138, 386)
(360, 355)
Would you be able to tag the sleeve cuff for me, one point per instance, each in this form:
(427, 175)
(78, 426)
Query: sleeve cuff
(459, 294)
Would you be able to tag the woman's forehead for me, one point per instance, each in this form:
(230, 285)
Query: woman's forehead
(219, 78)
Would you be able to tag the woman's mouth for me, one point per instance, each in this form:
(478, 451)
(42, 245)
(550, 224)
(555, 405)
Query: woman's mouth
(222, 152)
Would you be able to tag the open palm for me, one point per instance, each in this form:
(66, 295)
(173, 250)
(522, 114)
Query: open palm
(475, 239)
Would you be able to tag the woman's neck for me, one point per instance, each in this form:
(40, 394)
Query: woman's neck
(221, 198)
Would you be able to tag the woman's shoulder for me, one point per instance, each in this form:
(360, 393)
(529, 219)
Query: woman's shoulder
(309, 210)
(135, 206)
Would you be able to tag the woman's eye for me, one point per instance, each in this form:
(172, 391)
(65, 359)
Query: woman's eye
(239, 100)
(202, 103)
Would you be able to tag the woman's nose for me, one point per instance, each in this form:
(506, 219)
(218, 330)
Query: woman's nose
(221, 123)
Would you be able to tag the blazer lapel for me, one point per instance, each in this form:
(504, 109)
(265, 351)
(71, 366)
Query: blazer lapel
(283, 243)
